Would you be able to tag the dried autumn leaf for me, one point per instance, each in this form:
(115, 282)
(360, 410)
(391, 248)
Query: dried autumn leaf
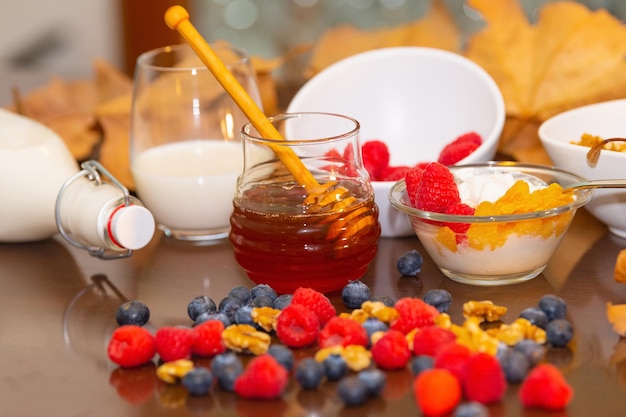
(572, 56)
(616, 314)
(436, 29)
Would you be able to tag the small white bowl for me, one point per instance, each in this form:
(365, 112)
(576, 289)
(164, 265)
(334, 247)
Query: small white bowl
(607, 120)
(414, 99)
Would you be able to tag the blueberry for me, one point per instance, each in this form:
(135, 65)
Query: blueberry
(309, 373)
(421, 363)
(559, 332)
(554, 306)
(244, 316)
(198, 381)
(515, 365)
(283, 355)
(262, 301)
(282, 301)
(355, 293)
(533, 350)
(385, 299)
(263, 289)
(374, 379)
(373, 325)
(440, 299)
(335, 367)
(200, 304)
(536, 316)
(132, 312)
(229, 306)
(471, 409)
(226, 367)
(352, 390)
(213, 316)
(241, 292)
(410, 263)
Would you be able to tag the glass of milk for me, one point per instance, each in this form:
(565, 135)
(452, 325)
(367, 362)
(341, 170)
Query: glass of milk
(185, 144)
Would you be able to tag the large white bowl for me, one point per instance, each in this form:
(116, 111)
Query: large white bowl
(607, 119)
(414, 99)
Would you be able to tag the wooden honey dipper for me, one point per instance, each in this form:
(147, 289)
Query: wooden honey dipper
(318, 195)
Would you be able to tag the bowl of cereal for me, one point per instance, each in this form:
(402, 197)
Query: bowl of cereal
(490, 224)
(567, 138)
(414, 101)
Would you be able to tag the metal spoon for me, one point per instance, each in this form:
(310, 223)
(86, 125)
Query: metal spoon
(596, 184)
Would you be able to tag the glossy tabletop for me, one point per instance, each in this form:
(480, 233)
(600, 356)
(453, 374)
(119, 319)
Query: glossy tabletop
(57, 309)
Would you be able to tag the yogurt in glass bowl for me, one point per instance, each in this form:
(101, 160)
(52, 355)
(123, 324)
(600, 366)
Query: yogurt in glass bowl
(515, 230)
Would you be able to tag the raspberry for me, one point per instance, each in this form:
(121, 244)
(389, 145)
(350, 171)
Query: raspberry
(456, 151)
(453, 357)
(545, 388)
(437, 189)
(394, 173)
(412, 178)
(414, 313)
(208, 338)
(173, 342)
(316, 302)
(264, 379)
(391, 351)
(297, 326)
(484, 380)
(340, 331)
(375, 158)
(437, 392)
(131, 346)
(461, 209)
(470, 137)
(429, 340)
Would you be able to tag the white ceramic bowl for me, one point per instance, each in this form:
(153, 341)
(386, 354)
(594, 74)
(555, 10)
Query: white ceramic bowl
(606, 120)
(414, 99)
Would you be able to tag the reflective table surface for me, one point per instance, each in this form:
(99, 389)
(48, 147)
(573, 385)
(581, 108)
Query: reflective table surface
(57, 305)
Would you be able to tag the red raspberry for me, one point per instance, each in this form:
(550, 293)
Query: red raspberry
(391, 351)
(375, 158)
(453, 357)
(208, 338)
(297, 326)
(173, 342)
(412, 179)
(394, 173)
(464, 210)
(342, 331)
(545, 388)
(484, 379)
(437, 392)
(263, 379)
(429, 340)
(470, 137)
(414, 313)
(459, 148)
(316, 302)
(437, 189)
(135, 385)
(131, 346)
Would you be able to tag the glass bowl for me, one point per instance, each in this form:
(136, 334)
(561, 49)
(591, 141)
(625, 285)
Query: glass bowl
(494, 250)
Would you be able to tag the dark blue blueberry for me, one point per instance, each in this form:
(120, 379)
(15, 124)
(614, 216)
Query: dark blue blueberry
(282, 301)
(309, 373)
(352, 390)
(198, 381)
(199, 305)
(213, 316)
(229, 306)
(536, 316)
(263, 289)
(554, 306)
(226, 367)
(335, 367)
(355, 293)
(440, 299)
(132, 312)
(283, 355)
(374, 380)
(410, 263)
(559, 332)
(241, 292)
(421, 363)
(515, 365)
(385, 299)
(262, 301)
(533, 350)
(471, 409)
(244, 316)
(373, 325)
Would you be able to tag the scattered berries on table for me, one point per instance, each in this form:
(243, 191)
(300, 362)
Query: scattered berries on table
(315, 301)
(437, 392)
(535, 316)
(355, 293)
(263, 290)
(283, 355)
(438, 298)
(373, 325)
(341, 331)
(391, 351)
(484, 381)
(229, 306)
(410, 263)
(282, 301)
(414, 313)
(559, 332)
(429, 340)
(515, 365)
(545, 388)
(553, 306)
(132, 312)
(374, 379)
(242, 292)
(131, 346)
(208, 338)
(297, 326)
(174, 342)
(533, 350)
(226, 368)
(264, 378)
(335, 367)
(199, 305)
(352, 390)
(471, 409)
(309, 373)
(419, 364)
(198, 381)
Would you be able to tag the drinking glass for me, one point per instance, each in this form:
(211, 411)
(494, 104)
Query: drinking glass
(185, 146)
(279, 236)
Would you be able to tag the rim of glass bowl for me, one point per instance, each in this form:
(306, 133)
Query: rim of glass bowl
(397, 196)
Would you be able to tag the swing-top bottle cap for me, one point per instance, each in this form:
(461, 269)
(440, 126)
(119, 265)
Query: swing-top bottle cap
(132, 227)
